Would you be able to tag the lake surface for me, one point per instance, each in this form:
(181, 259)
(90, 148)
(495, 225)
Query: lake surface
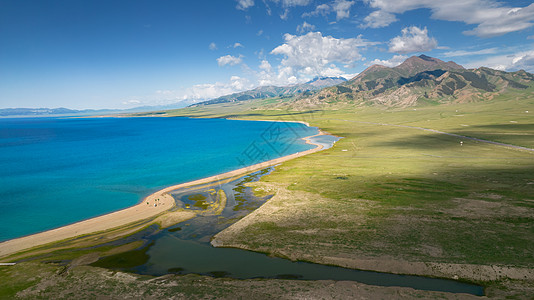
(57, 171)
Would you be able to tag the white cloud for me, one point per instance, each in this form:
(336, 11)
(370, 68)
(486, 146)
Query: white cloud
(511, 62)
(491, 17)
(286, 4)
(265, 65)
(378, 19)
(467, 53)
(322, 9)
(305, 27)
(213, 46)
(260, 54)
(131, 102)
(413, 39)
(349, 76)
(340, 7)
(523, 61)
(229, 60)
(313, 54)
(164, 92)
(244, 4)
(500, 21)
(291, 3)
(392, 62)
(213, 90)
(267, 7)
(260, 32)
(284, 15)
(236, 45)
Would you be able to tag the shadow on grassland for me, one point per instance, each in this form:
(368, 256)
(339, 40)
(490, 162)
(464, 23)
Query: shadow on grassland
(505, 127)
(437, 141)
(463, 213)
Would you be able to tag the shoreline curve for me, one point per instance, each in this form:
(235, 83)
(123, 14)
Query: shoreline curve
(151, 206)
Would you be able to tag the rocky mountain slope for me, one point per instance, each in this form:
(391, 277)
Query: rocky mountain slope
(422, 80)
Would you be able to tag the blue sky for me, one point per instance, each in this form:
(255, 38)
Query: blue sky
(122, 54)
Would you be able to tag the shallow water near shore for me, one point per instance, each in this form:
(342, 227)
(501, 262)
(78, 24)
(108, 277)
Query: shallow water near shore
(57, 171)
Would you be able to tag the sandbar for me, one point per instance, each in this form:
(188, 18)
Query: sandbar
(152, 206)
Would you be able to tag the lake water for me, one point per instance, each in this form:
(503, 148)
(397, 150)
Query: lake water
(57, 171)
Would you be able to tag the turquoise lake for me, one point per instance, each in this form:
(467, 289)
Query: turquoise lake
(57, 171)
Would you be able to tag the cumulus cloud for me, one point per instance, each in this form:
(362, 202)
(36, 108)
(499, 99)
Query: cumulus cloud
(491, 17)
(413, 39)
(237, 45)
(265, 65)
(244, 4)
(340, 7)
(313, 54)
(511, 62)
(378, 19)
(468, 53)
(229, 60)
(305, 27)
(213, 46)
(392, 62)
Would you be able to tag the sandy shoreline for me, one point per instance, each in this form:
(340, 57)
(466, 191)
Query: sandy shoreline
(151, 206)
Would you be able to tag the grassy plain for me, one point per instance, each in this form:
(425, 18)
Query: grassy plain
(401, 199)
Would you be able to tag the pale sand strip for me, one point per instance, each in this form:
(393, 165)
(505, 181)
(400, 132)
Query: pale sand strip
(135, 213)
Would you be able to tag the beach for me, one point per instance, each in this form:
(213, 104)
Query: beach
(151, 207)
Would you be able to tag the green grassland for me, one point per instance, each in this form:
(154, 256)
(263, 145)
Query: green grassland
(401, 193)
(427, 197)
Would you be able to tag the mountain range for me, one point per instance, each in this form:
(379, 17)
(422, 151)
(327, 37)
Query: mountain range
(419, 80)
(422, 80)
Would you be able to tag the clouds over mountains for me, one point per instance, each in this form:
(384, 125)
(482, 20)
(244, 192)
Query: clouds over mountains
(309, 51)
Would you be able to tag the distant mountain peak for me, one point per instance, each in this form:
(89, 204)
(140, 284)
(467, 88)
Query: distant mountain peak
(427, 58)
(417, 64)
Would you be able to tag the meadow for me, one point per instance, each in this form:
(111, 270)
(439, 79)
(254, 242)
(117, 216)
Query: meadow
(391, 197)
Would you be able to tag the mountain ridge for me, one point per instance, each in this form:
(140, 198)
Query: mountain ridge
(421, 79)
